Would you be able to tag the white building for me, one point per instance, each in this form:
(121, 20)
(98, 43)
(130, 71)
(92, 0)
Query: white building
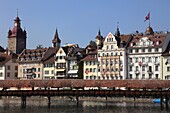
(144, 55)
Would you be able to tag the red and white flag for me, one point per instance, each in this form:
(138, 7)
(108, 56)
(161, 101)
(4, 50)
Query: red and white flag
(147, 17)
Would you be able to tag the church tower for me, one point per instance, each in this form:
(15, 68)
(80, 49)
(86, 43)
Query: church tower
(56, 40)
(16, 38)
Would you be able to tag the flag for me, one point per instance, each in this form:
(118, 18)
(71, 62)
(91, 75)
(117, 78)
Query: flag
(147, 17)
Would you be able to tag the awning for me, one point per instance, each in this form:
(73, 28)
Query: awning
(72, 71)
(60, 69)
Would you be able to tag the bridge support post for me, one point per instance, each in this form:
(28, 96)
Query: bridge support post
(166, 101)
(77, 100)
(23, 101)
(161, 102)
(49, 101)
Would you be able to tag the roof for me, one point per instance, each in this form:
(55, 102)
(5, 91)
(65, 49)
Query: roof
(49, 55)
(28, 55)
(154, 38)
(56, 38)
(4, 58)
(167, 51)
(92, 56)
(2, 49)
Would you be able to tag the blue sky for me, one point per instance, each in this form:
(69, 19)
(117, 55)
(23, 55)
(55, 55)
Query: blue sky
(78, 21)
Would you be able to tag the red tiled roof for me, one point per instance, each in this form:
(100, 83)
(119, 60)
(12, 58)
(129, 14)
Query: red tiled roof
(4, 58)
(154, 38)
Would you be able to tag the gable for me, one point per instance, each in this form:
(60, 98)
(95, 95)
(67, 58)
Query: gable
(60, 52)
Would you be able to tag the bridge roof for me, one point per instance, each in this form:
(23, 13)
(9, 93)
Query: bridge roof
(76, 83)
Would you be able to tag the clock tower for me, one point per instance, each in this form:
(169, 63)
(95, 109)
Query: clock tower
(16, 38)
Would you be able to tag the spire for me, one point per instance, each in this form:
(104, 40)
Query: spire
(99, 32)
(56, 39)
(117, 33)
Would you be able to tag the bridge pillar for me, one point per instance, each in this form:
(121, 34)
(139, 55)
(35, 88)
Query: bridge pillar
(77, 100)
(49, 101)
(166, 101)
(23, 101)
(161, 102)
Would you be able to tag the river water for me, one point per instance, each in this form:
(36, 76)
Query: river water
(62, 105)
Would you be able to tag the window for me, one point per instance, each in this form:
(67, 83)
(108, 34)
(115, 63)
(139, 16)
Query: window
(136, 60)
(150, 68)
(86, 62)
(143, 59)
(16, 75)
(137, 76)
(38, 69)
(156, 76)
(52, 72)
(8, 67)
(156, 68)
(156, 49)
(38, 75)
(1, 74)
(168, 68)
(130, 50)
(143, 76)
(1, 67)
(87, 77)
(149, 50)
(90, 62)
(46, 72)
(112, 47)
(130, 76)
(94, 69)
(143, 50)
(8, 74)
(143, 68)
(136, 50)
(16, 67)
(90, 69)
(149, 59)
(150, 76)
(121, 54)
(130, 68)
(137, 68)
(130, 60)
(156, 59)
(107, 47)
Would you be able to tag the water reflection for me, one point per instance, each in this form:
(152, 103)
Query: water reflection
(62, 105)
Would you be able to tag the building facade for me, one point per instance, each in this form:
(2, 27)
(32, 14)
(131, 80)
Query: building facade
(144, 53)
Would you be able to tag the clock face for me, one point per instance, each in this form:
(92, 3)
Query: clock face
(15, 24)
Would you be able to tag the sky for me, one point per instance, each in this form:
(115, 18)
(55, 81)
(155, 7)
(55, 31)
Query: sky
(78, 21)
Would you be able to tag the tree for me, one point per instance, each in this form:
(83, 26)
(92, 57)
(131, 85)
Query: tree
(39, 46)
(93, 43)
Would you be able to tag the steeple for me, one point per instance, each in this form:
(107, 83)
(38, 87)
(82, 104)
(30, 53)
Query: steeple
(56, 41)
(117, 33)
